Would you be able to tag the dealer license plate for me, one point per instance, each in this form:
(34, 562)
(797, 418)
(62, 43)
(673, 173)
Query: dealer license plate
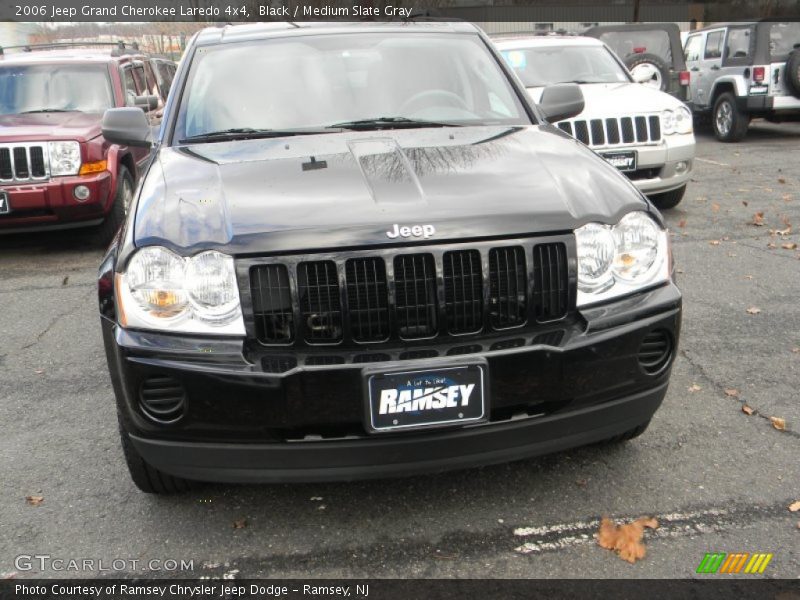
(5, 207)
(623, 160)
(411, 399)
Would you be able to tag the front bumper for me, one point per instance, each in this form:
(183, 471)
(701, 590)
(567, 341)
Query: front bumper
(243, 424)
(656, 167)
(52, 204)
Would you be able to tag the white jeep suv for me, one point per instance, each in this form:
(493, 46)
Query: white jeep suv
(645, 133)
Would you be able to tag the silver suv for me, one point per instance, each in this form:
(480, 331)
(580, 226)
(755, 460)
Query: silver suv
(744, 70)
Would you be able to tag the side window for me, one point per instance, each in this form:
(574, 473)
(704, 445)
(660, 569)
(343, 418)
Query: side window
(738, 43)
(130, 86)
(714, 45)
(694, 45)
(138, 76)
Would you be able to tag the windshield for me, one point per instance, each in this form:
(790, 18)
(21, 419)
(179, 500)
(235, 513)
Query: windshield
(628, 43)
(36, 88)
(782, 39)
(318, 81)
(547, 65)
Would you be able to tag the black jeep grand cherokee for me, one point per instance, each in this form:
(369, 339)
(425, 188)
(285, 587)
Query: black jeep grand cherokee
(360, 251)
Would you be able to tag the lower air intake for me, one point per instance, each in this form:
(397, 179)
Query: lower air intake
(162, 399)
(655, 352)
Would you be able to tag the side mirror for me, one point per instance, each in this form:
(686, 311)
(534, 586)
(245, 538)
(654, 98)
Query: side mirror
(561, 101)
(126, 127)
(146, 103)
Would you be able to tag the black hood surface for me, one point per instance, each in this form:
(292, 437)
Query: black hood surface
(337, 190)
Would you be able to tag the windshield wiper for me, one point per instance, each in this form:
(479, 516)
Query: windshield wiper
(248, 133)
(390, 123)
(47, 110)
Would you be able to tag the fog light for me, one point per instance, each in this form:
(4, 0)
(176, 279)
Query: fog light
(681, 166)
(81, 193)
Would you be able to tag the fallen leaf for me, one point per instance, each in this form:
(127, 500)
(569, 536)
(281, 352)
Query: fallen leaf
(794, 506)
(34, 500)
(316, 498)
(39, 371)
(65, 281)
(682, 223)
(321, 507)
(748, 277)
(781, 232)
(786, 197)
(714, 242)
(744, 202)
(714, 206)
(767, 189)
(771, 246)
(778, 423)
(753, 310)
(240, 524)
(758, 219)
(694, 388)
(625, 540)
(581, 482)
(747, 410)
(781, 180)
(732, 392)
(789, 246)
(796, 350)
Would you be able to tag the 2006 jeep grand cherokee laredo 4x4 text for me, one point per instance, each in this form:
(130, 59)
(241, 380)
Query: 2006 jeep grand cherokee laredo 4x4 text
(375, 258)
(56, 169)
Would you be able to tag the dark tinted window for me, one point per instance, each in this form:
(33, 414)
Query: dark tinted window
(84, 88)
(714, 44)
(626, 43)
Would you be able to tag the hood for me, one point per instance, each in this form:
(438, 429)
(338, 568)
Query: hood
(50, 126)
(348, 189)
(622, 99)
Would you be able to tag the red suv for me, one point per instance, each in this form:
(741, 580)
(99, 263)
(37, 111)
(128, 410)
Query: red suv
(56, 169)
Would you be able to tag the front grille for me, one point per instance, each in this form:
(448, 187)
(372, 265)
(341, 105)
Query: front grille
(368, 297)
(22, 162)
(614, 131)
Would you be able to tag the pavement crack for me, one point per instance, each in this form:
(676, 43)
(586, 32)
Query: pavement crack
(720, 387)
(53, 323)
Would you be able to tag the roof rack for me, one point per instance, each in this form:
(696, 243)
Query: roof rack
(120, 47)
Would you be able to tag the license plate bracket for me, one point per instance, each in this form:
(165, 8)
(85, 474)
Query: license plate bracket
(5, 207)
(624, 160)
(421, 398)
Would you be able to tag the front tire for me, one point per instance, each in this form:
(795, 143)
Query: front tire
(146, 477)
(730, 123)
(119, 209)
(669, 199)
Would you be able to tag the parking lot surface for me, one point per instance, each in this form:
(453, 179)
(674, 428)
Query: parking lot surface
(716, 478)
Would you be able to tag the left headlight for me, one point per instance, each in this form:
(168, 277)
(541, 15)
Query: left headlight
(678, 120)
(65, 158)
(165, 292)
(626, 257)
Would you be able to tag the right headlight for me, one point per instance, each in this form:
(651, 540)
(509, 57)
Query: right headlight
(162, 291)
(621, 259)
(678, 120)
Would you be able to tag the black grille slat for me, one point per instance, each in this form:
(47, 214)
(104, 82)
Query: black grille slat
(627, 129)
(507, 287)
(641, 129)
(550, 281)
(582, 131)
(320, 306)
(565, 126)
(415, 295)
(655, 128)
(21, 163)
(463, 291)
(367, 299)
(272, 304)
(5, 164)
(598, 135)
(612, 131)
(37, 162)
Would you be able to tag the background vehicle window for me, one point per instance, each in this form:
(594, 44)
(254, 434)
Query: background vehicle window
(694, 45)
(738, 43)
(138, 76)
(346, 78)
(714, 44)
(626, 43)
(167, 74)
(54, 87)
(782, 38)
(545, 65)
(130, 86)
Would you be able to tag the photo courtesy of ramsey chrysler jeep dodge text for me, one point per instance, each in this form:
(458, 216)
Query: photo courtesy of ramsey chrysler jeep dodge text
(376, 258)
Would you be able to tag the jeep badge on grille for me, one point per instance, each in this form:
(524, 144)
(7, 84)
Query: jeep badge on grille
(425, 231)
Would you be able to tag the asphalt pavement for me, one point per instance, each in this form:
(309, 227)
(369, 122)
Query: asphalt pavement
(716, 478)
